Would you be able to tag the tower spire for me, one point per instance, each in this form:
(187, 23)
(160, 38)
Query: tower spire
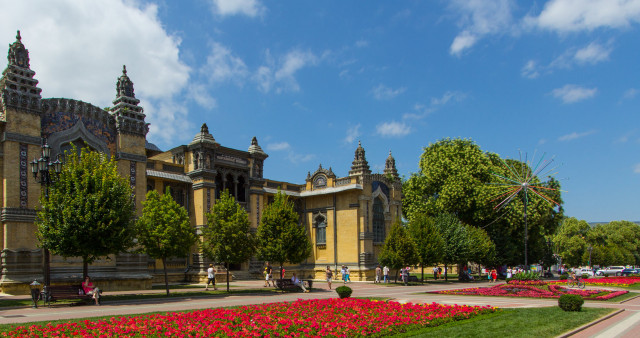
(359, 166)
(390, 166)
(129, 116)
(18, 87)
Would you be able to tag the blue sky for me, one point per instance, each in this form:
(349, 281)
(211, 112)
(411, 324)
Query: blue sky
(311, 78)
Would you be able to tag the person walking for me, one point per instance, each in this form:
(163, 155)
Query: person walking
(211, 277)
(494, 275)
(343, 274)
(329, 276)
(268, 275)
(348, 278)
(385, 272)
(378, 274)
(435, 273)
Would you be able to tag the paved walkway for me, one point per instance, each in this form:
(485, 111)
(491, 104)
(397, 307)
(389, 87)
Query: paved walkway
(624, 324)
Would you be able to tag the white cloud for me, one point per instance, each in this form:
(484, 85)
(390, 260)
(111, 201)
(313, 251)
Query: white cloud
(393, 129)
(446, 97)
(382, 92)
(223, 66)
(586, 15)
(250, 8)
(297, 158)
(362, 43)
(593, 53)
(575, 135)
(77, 49)
(199, 93)
(352, 133)
(282, 75)
(278, 146)
(636, 168)
(572, 93)
(631, 93)
(530, 70)
(479, 18)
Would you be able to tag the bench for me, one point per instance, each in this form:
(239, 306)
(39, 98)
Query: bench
(54, 293)
(287, 284)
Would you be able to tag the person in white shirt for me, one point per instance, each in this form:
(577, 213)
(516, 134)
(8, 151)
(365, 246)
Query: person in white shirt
(211, 275)
(298, 282)
(385, 272)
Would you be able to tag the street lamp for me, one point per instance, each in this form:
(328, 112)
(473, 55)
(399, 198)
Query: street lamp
(42, 170)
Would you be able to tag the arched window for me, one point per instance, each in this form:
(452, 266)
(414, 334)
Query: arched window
(242, 197)
(378, 221)
(321, 230)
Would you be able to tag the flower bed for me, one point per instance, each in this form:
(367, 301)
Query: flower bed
(533, 291)
(329, 317)
(526, 282)
(608, 281)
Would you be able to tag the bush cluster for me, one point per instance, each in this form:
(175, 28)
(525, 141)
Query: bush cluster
(570, 302)
(344, 291)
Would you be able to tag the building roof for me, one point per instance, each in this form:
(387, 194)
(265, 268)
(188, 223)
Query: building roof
(169, 176)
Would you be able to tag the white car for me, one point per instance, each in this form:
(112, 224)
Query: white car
(583, 271)
(610, 271)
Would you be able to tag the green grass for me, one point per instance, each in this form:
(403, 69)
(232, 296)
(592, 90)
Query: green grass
(529, 322)
(122, 297)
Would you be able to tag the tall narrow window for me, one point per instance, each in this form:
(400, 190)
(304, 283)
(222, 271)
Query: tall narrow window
(378, 221)
(321, 230)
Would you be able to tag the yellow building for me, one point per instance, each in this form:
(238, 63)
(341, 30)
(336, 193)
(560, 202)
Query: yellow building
(346, 218)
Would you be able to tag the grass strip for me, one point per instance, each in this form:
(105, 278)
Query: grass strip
(525, 322)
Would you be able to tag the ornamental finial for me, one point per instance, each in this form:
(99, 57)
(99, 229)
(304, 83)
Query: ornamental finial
(18, 37)
(124, 69)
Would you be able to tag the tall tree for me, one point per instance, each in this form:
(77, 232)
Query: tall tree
(457, 245)
(164, 230)
(457, 177)
(280, 238)
(90, 211)
(428, 240)
(399, 249)
(227, 236)
(571, 241)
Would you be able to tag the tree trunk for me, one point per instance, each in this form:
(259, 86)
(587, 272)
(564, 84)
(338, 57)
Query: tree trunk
(226, 265)
(396, 281)
(166, 278)
(422, 266)
(85, 268)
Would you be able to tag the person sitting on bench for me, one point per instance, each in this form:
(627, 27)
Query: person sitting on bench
(91, 290)
(298, 282)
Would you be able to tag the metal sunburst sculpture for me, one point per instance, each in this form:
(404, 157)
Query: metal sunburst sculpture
(524, 181)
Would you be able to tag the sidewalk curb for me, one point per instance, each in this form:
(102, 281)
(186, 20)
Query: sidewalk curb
(628, 299)
(588, 325)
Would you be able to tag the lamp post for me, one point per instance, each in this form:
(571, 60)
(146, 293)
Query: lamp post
(42, 170)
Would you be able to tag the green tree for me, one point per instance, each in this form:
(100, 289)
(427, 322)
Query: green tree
(89, 213)
(227, 236)
(428, 240)
(614, 243)
(457, 245)
(399, 249)
(164, 230)
(482, 250)
(457, 177)
(280, 238)
(571, 241)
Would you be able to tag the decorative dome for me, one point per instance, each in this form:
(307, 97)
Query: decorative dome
(203, 136)
(390, 166)
(360, 166)
(254, 147)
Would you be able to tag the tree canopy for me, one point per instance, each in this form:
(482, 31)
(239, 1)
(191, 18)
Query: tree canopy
(457, 177)
(89, 212)
(227, 236)
(399, 249)
(164, 230)
(428, 239)
(280, 237)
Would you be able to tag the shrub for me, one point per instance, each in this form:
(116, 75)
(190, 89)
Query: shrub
(570, 302)
(522, 276)
(344, 291)
(564, 276)
(585, 276)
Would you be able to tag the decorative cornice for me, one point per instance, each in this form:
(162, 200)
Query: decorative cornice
(130, 157)
(16, 137)
(17, 215)
(202, 185)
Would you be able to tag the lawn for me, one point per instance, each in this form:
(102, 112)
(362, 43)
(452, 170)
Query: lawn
(529, 322)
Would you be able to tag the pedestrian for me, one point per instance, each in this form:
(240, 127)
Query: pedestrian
(494, 275)
(509, 274)
(378, 274)
(405, 275)
(268, 271)
(343, 274)
(329, 276)
(439, 272)
(348, 278)
(385, 272)
(211, 277)
(435, 273)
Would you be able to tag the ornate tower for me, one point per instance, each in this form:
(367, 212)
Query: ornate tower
(390, 167)
(20, 118)
(131, 136)
(360, 166)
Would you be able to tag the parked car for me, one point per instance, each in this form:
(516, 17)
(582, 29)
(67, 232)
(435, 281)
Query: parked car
(627, 272)
(583, 271)
(610, 271)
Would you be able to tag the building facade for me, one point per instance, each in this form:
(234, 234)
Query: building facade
(346, 218)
